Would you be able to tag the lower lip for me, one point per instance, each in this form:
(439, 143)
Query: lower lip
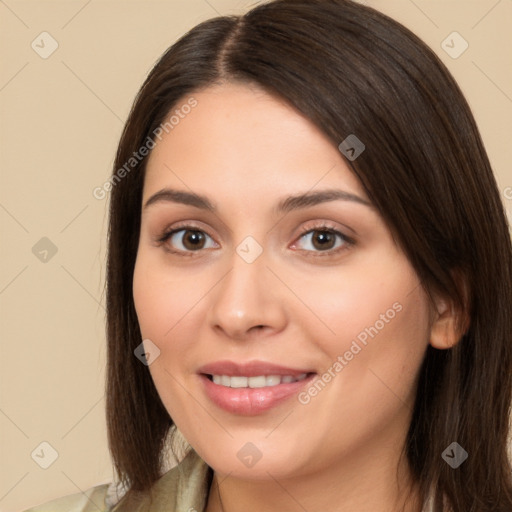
(251, 401)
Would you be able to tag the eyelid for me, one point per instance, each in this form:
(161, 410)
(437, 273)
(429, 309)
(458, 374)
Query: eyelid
(323, 225)
(179, 226)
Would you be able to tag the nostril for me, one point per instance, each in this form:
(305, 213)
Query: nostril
(258, 328)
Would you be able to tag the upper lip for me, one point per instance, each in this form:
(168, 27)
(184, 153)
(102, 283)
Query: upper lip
(249, 369)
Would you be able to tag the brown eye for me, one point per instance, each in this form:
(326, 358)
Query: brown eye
(186, 240)
(193, 240)
(323, 240)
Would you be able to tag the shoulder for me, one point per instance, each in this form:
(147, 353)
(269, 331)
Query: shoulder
(94, 499)
(183, 488)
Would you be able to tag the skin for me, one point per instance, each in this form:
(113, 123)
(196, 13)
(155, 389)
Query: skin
(299, 304)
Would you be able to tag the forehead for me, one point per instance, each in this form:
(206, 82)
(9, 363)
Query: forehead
(240, 138)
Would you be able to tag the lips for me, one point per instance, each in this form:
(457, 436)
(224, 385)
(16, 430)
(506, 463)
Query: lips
(250, 369)
(253, 387)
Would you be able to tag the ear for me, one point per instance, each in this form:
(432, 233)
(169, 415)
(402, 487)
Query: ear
(449, 323)
(443, 332)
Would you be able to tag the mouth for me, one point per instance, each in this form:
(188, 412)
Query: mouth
(251, 388)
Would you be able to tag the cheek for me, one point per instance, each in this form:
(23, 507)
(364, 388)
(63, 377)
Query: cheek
(357, 301)
(381, 325)
(376, 318)
(163, 300)
(165, 307)
(171, 307)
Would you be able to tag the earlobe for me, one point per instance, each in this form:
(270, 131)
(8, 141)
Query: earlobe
(444, 333)
(449, 323)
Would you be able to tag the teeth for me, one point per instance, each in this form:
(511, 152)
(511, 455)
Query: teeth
(260, 381)
(257, 382)
(273, 380)
(239, 382)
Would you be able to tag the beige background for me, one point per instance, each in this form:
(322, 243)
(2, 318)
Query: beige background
(60, 122)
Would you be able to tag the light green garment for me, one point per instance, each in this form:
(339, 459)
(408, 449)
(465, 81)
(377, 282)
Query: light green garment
(181, 489)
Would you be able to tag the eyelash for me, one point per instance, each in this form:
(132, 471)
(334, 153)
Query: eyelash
(326, 228)
(323, 227)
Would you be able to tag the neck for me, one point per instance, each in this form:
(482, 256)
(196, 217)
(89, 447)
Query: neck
(360, 482)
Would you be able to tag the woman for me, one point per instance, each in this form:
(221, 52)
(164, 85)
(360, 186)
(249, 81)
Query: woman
(309, 277)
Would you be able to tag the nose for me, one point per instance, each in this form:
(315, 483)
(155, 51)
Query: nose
(248, 302)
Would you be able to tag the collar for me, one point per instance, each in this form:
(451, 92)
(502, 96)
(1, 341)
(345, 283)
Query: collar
(183, 488)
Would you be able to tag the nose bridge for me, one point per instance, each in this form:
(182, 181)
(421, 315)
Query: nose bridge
(244, 299)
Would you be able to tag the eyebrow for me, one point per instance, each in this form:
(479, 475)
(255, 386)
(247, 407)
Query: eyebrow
(289, 204)
(322, 196)
(181, 197)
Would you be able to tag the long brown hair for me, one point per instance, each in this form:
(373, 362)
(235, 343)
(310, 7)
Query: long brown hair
(350, 70)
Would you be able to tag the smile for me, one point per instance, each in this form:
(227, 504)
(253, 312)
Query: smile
(251, 388)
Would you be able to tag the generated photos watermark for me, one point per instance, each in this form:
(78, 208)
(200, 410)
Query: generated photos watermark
(137, 156)
(357, 345)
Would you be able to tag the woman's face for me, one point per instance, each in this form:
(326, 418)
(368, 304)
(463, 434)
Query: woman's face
(282, 280)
